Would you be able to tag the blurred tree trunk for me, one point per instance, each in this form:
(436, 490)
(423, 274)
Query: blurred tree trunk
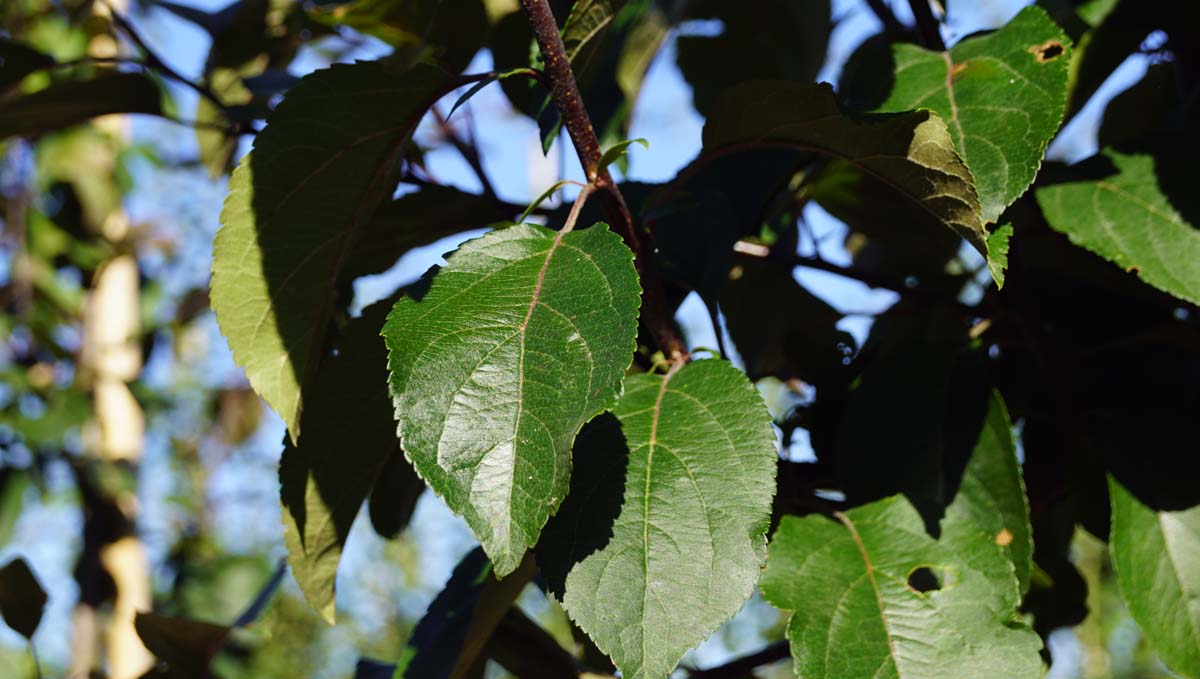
(110, 359)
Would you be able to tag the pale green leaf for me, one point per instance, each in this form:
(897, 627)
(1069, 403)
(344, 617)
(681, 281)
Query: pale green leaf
(1002, 96)
(855, 614)
(912, 153)
(522, 338)
(991, 495)
(1128, 219)
(1156, 556)
(295, 208)
(662, 537)
(349, 437)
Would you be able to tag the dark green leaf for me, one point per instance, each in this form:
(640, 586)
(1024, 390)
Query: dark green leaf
(186, 646)
(22, 598)
(662, 537)
(296, 206)
(698, 217)
(394, 496)
(69, 103)
(1128, 218)
(351, 441)
(449, 639)
(780, 329)
(765, 39)
(1141, 111)
(520, 339)
(1002, 96)
(991, 496)
(17, 61)
(857, 611)
(414, 220)
(1156, 556)
(912, 153)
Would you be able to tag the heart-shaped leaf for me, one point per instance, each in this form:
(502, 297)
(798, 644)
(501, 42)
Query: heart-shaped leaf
(662, 537)
(522, 338)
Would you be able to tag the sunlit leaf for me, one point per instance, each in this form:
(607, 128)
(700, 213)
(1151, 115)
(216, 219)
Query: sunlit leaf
(662, 537)
(519, 340)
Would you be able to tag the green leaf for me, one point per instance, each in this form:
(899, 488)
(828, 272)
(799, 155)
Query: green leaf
(587, 20)
(394, 497)
(761, 40)
(1156, 556)
(849, 584)
(70, 103)
(449, 639)
(417, 219)
(662, 537)
(991, 496)
(17, 61)
(911, 152)
(780, 329)
(22, 598)
(1128, 219)
(1002, 96)
(997, 246)
(349, 439)
(699, 217)
(618, 151)
(296, 206)
(522, 338)
(186, 646)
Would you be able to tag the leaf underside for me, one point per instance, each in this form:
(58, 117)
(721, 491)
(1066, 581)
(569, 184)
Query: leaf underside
(912, 153)
(295, 207)
(522, 338)
(1002, 96)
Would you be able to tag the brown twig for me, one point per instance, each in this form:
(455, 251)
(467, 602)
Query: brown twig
(927, 25)
(466, 150)
(741, 667)
(151, 60)
(890, 23)
(564, 92)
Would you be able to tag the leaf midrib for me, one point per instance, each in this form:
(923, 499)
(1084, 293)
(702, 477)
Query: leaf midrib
(870, 568)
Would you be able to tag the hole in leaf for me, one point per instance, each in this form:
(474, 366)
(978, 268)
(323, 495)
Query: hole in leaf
(1047, 51)
(922, 580)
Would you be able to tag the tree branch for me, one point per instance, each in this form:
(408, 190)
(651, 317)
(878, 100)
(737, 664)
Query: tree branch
(741, 667)
(151, 59)
(564, 92)
(931, 34)
(885, 14)
(467, 151)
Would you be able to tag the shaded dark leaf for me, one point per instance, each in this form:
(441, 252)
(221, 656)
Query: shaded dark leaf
(70, 103)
